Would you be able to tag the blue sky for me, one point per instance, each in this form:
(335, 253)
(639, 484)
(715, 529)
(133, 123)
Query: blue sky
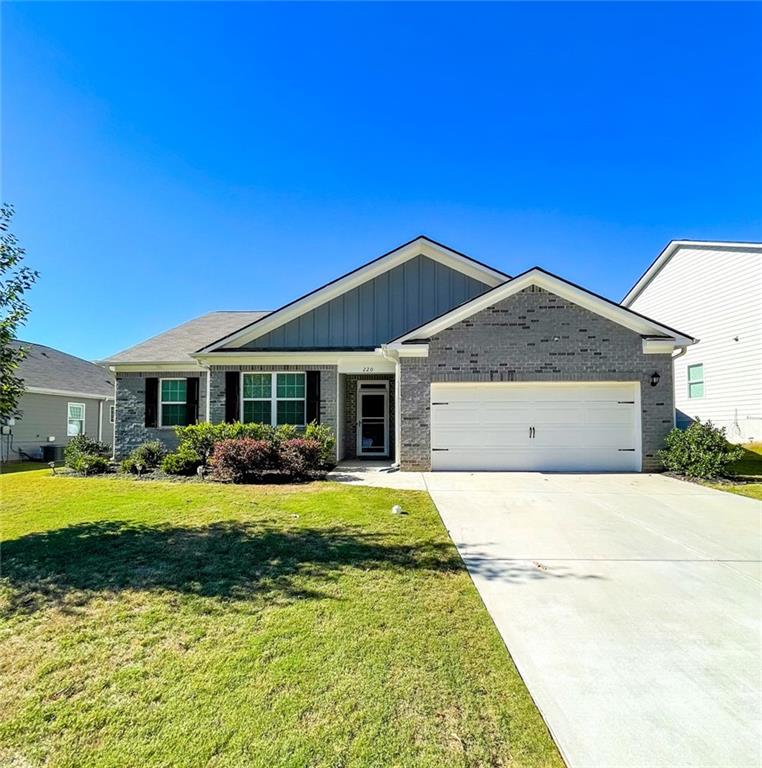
(170, 159)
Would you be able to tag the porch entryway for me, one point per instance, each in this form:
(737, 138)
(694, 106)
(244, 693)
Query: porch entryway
(367, 408)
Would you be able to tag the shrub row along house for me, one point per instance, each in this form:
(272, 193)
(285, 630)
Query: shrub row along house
(424, 357)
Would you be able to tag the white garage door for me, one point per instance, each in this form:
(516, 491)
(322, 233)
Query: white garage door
(576, 427)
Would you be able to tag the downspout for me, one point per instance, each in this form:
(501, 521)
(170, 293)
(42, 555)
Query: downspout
(100, 421)
(394, 356)
(683, 349)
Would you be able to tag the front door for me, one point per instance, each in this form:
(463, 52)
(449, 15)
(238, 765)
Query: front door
(372, 419)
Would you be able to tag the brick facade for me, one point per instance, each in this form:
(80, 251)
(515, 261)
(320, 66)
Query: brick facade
(129, 427)
(534, 335)
(130, 431)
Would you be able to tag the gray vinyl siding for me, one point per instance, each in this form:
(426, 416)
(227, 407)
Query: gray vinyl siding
(377, 311)
(46, 416)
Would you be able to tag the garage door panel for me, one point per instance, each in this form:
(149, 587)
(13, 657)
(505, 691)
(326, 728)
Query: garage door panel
(535, 427)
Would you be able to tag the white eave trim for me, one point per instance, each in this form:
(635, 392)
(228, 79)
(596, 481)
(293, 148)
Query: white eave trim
(363, 361)
(557, 286)
(149, 367)
(670, 250)
(65, 393)
(659, 346)
(419, 246)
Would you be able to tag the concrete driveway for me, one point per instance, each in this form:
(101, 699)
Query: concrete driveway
(630, 604)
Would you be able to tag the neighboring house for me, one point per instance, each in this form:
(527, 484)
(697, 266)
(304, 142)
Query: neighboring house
(715, 290)
(425, 357)
(63, 396)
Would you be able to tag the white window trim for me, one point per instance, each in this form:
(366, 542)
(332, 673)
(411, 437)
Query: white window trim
(701, 381)
(171, 402)
(68, 418)
(111, 414)
(273, 399)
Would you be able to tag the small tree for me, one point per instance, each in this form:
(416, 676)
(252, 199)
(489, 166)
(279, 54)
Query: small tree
(15, 280)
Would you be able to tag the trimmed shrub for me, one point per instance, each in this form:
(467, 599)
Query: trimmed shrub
(201, 438)
(89, 464)
(146, 456)
(243, 459)
(87, 456)
(701, 451)
(184, 461)
(299, 456)
(324, 435)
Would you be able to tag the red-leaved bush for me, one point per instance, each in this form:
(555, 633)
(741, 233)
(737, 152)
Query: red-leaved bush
(299, 456)
(243, 459)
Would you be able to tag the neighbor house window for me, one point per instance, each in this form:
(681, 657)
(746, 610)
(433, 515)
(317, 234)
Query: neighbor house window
(173, 395)
(696, 380)
(111, 414)
(274, 398)
(75, 424)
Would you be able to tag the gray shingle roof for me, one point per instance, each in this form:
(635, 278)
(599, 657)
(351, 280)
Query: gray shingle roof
(49, 368)
(176, 344)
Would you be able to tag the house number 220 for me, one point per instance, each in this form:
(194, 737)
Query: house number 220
(369, 369)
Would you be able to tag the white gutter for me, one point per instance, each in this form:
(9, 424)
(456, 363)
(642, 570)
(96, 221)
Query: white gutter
(392, 355)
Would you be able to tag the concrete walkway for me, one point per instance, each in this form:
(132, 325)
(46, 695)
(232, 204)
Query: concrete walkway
(630, 604)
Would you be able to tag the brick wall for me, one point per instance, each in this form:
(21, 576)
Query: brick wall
(534, 336)
(328, 374)
(129, 428)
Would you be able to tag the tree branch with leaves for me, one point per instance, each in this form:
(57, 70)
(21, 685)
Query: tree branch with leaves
(15, 280)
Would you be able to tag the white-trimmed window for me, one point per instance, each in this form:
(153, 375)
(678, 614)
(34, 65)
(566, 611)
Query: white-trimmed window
(274, 398)
(75, 419)
(696, 381)
(173, 398)
(111, 414)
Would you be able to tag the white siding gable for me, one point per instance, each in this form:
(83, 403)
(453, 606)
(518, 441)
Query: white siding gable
(715, 294)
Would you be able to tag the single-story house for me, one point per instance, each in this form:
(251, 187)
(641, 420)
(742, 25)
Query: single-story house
(715, 289)
(427, 358)
(63, 396)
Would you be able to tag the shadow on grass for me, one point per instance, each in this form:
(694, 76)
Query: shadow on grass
(230, 560)
(750, 464)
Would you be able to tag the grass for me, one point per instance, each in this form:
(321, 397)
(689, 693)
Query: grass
(749, 465)
(10, 467)
(162, 624)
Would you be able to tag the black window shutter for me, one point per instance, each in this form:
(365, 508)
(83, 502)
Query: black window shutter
(313, 396)
(191, 402)
(152, 402)
(232, 396)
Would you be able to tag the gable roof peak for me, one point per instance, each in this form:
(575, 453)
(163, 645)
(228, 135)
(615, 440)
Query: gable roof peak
(418, 246)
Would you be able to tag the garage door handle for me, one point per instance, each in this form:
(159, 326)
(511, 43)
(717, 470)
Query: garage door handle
(627, 450)
(531, 432)
(440, 449)
(440, 403)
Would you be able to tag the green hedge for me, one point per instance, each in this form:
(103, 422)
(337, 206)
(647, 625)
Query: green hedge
(701, 451)
(197, 442)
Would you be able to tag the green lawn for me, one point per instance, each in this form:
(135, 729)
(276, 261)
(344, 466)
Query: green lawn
(172, 624)
(750, 464)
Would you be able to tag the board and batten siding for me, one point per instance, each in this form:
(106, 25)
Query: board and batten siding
(715, 295)
(379, 310)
